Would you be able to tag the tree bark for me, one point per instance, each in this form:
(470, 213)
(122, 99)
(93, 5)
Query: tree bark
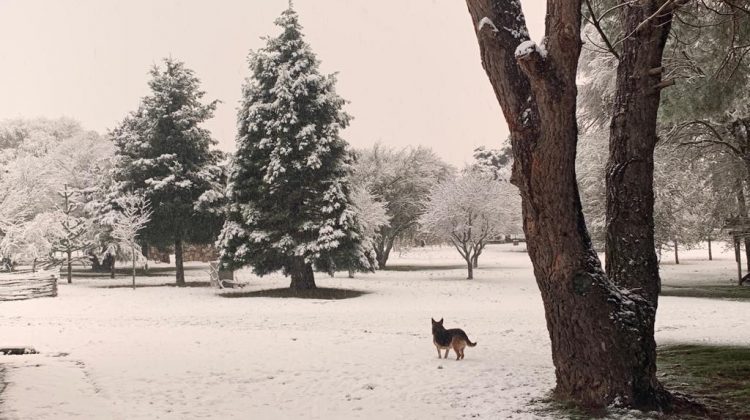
(133, 252)
(601, 335)
(710, 255)
(180, 269)
(383, 250)
(70, 267)
(112, 268)
(470, 268)
(302, 275)
(478, 248)
(738, 260)
(676, 253)
(742, 209)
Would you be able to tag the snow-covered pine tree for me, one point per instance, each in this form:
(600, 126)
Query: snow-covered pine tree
(289, 205)
(164, 155)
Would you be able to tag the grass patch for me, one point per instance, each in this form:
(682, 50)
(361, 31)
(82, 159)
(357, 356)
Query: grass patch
(711, 292)
(719, 376)
(326, 293)
(551, 406)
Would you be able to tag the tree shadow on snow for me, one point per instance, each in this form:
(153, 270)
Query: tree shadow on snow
(141, 286)
(326, 293)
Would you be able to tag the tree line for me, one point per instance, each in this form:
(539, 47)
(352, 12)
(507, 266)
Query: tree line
(293, 197)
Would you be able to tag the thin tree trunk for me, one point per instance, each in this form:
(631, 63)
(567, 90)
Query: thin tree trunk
(133, 252)
(386, 252)
(738, 260)
(601, 335)
(676, 253)
(470, 268)
(383, 249)
(33, 266)
(742, 209)
(351, 273)
(710, 255)
(180, 269)
(302, 275)
(70, 267)
(112, 268)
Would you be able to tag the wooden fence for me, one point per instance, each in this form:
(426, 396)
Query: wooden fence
(20, 286)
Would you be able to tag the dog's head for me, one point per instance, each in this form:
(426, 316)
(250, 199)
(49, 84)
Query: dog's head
(437, 325)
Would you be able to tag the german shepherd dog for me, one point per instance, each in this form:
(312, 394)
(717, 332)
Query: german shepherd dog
(454, 338)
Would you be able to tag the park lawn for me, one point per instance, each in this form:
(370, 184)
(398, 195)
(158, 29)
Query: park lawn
(360, 349)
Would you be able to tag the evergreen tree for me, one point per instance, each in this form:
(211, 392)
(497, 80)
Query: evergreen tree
(289, 206)
(163, 155)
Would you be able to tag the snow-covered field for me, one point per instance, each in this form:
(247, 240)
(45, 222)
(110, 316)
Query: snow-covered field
(163, 352)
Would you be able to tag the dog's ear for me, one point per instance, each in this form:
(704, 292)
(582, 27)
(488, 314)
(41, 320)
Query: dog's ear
(433, 320)
(441, 321)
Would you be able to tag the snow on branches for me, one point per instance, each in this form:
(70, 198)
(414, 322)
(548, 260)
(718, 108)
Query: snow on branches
(469, 211)
(288, 191)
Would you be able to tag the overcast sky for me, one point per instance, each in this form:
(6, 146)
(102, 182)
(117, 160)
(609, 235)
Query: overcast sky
(410, 68)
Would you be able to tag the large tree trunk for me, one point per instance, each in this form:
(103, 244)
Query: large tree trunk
(631, 259)
(180, 269)
(601, 335)
(470, 268)
(302, 275)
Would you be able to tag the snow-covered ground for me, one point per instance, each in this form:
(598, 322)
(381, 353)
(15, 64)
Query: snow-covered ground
(163, 352)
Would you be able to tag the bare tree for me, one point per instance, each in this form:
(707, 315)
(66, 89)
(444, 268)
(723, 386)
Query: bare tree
(72, 236)
(469, 211)
(133, 215)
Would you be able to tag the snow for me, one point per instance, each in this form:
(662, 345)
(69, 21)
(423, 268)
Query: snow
(527, 47)
(162, 352)
(486, 21)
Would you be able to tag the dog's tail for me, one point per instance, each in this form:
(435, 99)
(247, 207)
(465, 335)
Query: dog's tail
(469, 341)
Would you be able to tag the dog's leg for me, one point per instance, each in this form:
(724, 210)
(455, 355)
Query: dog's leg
(457, 349)
(440, 355)
(446, 352)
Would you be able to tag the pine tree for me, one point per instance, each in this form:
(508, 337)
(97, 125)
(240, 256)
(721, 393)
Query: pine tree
(164, 155)
(289, 202)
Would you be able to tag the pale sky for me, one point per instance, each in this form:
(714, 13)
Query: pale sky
(410, 68)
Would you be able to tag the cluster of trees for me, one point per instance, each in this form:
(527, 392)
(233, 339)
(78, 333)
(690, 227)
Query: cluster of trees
(293, 197)
(700, 171)
(50, 172)
(300, 202)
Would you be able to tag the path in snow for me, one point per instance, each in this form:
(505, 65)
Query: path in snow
(163, 352)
